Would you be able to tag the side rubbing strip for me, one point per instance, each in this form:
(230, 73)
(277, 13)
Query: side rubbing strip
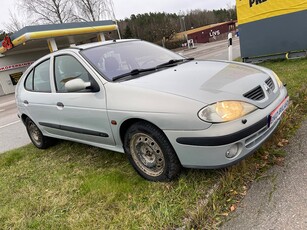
(74, 130)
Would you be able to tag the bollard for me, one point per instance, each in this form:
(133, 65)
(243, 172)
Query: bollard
(230, 56)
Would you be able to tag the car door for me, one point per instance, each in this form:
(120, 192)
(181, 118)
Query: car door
(39, 100)
(83, 114)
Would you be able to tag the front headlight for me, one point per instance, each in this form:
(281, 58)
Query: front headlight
(225, 111)
(279, 82)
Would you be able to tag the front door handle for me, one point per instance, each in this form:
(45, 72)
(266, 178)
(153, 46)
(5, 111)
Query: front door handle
(60, 104)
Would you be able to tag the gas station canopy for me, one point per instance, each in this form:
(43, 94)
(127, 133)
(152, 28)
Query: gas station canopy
(52, 37)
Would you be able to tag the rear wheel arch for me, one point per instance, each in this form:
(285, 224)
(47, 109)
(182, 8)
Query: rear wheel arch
(24, 118)
(35, 134)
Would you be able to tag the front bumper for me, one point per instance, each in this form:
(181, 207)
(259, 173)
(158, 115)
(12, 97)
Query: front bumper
(208, 148)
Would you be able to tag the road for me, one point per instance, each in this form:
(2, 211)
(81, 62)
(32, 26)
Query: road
(278, 201)
(214, 50)
(12, 132)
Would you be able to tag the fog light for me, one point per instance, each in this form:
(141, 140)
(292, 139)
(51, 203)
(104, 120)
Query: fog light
(233, 151)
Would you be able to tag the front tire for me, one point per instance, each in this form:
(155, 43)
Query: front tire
(36, 136)
(150, 152)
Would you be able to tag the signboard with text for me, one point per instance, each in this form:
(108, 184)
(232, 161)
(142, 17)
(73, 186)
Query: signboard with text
(271, 29)
(15, 66)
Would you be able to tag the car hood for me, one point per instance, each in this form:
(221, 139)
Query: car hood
(207, 81)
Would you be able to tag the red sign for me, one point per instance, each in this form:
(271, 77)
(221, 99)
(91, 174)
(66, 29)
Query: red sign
(15, 66)
(7, 43)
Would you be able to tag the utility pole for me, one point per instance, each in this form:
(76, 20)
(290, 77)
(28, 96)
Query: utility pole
(114, 17)
(182, 24)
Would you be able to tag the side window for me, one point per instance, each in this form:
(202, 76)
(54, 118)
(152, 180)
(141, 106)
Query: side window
(29, 81)
(38, 79)
(67, 68)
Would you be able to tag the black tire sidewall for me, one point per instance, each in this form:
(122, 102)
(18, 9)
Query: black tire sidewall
(172, 164)
(44, 142)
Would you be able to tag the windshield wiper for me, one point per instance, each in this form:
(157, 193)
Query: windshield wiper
(173, 62)
(133, 72)
(170, 63)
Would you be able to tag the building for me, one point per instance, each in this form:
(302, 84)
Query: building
(207, 33)
(21, 49)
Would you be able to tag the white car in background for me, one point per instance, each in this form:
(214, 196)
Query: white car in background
(163, 110)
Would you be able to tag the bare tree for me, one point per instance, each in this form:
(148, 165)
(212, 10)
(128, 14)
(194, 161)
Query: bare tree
(232, 10)
(16, 22)
(93, 10)
(48, 11)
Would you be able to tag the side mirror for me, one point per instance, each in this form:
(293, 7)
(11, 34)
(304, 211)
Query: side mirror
(76, 84)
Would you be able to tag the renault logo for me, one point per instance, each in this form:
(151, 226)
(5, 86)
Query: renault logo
(267, 88)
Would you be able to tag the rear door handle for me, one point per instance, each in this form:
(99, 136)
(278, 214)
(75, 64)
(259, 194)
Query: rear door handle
(60, 104)
(25, 102)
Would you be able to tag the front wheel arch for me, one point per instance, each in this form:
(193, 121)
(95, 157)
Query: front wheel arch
(127, 124)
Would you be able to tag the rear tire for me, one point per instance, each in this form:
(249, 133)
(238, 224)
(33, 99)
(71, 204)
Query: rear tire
(36, 136)
(150, 152)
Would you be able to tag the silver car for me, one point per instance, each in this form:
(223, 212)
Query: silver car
(161, 109)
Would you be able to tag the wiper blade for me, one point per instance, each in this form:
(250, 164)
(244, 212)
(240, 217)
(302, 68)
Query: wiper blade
(138, 71)
(133, 72)
(173, 62)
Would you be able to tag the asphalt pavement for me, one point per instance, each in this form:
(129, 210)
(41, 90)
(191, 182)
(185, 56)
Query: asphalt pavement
(214, 50)
(278, 201)
(13, 133)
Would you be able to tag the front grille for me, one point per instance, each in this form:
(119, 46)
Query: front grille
(270, 83)
(255, 94)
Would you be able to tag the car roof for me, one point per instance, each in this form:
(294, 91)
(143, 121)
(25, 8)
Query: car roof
(83, 47)
(95, 44)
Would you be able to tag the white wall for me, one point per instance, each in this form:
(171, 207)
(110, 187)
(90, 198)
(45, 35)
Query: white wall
(6, 85)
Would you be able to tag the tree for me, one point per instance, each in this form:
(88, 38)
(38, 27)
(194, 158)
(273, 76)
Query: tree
(48, 11)
(15, 23)
(151, 27)
(128, 33)
(154, 27)
(2, 35)
(92, 10)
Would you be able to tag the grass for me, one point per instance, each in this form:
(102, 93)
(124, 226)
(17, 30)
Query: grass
(74, 186)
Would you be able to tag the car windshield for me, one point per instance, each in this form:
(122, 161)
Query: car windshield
(120, 59)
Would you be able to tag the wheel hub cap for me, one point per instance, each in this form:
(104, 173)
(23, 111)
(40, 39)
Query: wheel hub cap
(147, 154)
